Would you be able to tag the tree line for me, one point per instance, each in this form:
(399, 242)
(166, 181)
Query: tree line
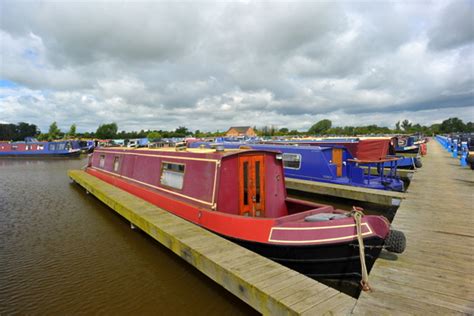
(18, 132)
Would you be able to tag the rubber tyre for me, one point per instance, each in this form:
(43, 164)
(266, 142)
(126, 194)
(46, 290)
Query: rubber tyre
(418, 163)
(396, 242)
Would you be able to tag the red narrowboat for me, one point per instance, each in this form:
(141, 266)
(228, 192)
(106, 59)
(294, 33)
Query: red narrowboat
(240, 195)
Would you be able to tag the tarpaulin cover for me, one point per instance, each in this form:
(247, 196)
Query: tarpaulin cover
(372, 149)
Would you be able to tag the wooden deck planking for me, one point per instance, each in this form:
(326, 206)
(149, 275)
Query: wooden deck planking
(268, 287)
(435, 275)
(382, 197)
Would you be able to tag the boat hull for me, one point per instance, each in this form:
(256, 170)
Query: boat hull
(40, 155)
(335, 261)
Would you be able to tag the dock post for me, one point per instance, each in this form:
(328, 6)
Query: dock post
(464, 151)
(455, 148)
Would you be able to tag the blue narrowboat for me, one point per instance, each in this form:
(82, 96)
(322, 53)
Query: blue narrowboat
(32, 148)
(86, 146)
(363, 148)
(326, 164)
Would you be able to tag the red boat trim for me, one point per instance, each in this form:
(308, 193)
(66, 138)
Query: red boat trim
(235, 226)
(159, 188)
(349, 237)
(161, 156)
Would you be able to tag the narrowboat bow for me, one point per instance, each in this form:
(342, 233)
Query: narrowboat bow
(240, 195)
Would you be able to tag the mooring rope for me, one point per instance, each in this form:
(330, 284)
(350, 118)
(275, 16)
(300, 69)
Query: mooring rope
(357, 214)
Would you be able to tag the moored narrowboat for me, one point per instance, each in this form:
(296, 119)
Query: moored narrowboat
(240, 195)
(363, 148)
(327, 164)
(31, 148)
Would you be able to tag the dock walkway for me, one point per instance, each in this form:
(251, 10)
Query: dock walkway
(269, 287)
(381, 197)
(435, 275)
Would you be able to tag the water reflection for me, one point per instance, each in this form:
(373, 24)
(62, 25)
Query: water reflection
(64, 252)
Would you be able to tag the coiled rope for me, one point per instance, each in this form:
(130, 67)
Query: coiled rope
(357, 214)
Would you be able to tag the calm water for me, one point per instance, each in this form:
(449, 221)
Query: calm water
(64, 252)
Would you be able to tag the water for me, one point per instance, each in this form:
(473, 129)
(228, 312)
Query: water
(64, 252)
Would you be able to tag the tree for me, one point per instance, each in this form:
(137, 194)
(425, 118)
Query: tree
(181, 132)
(72, 130)
(397, 126)
(406, 125)
(154, 136)
(320, 127)
(452, 125)
(106, 131)
(54, 131)
(469, 127)
(283, 131)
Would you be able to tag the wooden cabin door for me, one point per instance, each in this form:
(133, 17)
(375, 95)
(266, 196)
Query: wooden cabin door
(252, 186)
(337, 160)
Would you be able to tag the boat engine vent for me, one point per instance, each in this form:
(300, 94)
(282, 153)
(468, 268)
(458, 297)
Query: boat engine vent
(180, 146)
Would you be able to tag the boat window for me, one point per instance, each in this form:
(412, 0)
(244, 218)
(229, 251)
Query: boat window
(52, 147)
(116, 163)
(102, 161)
(246, 187)
(40, 147)
(172, 174)
(14, 147)
(27, 147)
(291, 161)
(61, 146)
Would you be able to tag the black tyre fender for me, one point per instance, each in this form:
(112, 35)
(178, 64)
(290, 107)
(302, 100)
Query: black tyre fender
(418, 163)
(395, 242)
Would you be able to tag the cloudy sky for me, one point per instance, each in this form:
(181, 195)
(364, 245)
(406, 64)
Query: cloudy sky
(207, 65)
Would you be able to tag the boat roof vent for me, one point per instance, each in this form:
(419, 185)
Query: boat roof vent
(220, 148)
(180, 146)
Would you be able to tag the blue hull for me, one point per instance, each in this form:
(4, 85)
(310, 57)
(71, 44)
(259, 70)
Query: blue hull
(314, 163)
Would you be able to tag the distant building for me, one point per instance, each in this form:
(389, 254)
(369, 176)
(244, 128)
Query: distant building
(241, 131)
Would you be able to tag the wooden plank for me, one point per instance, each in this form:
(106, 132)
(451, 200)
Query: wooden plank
(382, 197)
(435, 275)
(252, 278)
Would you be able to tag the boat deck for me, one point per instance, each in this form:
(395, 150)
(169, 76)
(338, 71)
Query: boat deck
(435, 275)
(265, 285)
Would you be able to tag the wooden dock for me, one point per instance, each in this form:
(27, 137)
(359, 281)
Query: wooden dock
(268, 287)
(381, 197)
(404, 174)
(435, 275)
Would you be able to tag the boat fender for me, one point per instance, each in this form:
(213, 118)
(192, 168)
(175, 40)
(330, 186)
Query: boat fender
(418, 163)
(395, 242)
(322, 217)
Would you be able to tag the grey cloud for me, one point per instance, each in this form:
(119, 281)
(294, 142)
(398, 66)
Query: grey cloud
(455, 26)
(208, 66)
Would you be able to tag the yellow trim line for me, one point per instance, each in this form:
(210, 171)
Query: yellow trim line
(155, 187)
(370, 232)
(161, 156)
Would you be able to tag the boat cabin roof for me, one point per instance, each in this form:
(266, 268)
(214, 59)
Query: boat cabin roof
(208, 152)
